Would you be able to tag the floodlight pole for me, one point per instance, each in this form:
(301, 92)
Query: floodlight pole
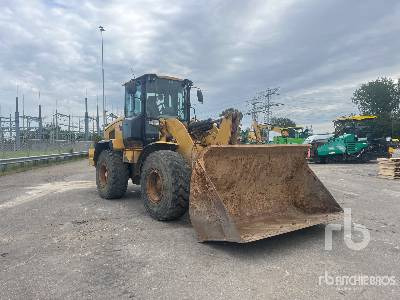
(102, 73)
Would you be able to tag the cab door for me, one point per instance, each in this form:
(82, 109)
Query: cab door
(132, 126)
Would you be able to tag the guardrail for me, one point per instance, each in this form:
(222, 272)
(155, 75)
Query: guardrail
(18, 162)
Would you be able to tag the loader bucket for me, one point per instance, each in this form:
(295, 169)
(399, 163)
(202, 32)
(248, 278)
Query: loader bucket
(243, 193)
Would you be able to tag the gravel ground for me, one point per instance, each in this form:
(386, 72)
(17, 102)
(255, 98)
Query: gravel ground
(58, 239)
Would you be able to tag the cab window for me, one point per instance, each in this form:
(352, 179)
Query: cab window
(133, 99)
(165, 98)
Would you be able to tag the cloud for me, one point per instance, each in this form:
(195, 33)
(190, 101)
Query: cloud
(317, 52)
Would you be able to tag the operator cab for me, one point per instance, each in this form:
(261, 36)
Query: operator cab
(293, 132)
(360, 126)
(149, 98)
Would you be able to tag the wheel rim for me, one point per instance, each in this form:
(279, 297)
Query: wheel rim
(154, 186)
(103, 175)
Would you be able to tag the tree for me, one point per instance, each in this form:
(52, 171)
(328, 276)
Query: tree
(230, 111)
(380, 98)
(282, 122)
(237, 117)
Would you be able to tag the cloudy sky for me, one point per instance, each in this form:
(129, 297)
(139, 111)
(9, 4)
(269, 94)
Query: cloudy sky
(317, 52)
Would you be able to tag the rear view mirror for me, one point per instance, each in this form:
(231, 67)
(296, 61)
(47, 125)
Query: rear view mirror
(200, 96)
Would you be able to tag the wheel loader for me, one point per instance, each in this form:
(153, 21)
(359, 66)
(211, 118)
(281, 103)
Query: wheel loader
(237, 193)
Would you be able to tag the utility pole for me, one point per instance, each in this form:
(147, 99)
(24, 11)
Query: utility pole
(10, 129)
(92, 128)
(16, 120)
(40, 122)
(1, 129)
(86, 121)
(69, 128)
(52, 137)
(56, 122)
(102, 73)
(97, 117)
(79, 127)
(106, 111)
(23, 113)
(56, 125)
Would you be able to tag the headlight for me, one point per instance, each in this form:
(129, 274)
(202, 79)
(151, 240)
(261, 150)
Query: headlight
(154, 122)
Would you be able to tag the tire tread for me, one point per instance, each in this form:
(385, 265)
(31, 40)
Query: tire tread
(118, 175)
(179, 172)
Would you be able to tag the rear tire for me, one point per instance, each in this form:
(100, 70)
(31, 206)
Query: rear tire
(112, 175)
(165, 183)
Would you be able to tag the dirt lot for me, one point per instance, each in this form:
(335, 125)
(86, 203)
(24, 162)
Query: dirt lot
(58, 239)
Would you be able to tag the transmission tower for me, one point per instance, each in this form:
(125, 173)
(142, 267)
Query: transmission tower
(262, 104)
(254, 108)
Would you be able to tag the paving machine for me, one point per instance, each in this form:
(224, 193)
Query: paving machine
(353, 141)
(237, 193)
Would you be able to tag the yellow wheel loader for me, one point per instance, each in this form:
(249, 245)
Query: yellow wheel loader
(237, 193)
(257, 133)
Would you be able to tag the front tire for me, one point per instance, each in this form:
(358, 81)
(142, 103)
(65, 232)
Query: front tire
(112, 175)
(165, 183)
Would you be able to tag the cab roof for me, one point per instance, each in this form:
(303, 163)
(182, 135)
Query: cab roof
(356, 118)
(296, 127)
(157, 76)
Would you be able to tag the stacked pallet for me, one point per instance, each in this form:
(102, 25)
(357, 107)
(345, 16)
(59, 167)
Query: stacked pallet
(389, 168)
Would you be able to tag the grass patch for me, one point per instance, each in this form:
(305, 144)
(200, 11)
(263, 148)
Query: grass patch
(18, 168)
(27, 153)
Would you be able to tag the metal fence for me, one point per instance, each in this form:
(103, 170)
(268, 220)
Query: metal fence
(10, 164)
(34, 147)
(23, 135)
(59, 132)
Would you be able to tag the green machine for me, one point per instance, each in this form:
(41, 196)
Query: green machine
(290, 135)
(353, 141)
(258, 134)
(343, 147)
